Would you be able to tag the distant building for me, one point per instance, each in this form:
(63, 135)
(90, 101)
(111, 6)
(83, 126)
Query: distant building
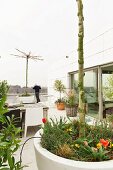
(19, 90)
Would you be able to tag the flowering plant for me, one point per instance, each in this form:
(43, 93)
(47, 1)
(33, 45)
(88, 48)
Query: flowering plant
(44, 120)
(59, 87)
(71, 98)
(62, 138)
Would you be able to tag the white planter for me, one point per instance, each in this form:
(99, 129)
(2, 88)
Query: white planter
(48, 161)
(27, 99)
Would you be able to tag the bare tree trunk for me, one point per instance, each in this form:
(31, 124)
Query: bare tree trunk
(81, 67)
(26, 75)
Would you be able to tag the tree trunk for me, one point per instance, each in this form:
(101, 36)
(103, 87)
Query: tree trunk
(26, 75)
(81, 68)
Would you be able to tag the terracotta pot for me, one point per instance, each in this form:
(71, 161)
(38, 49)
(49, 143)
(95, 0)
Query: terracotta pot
(60, 106)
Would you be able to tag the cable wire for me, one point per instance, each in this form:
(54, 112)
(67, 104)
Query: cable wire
(23, 147)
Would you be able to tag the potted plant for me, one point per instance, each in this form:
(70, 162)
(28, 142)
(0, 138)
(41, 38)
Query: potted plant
(59, 87)
(61, 147)
(71, 103)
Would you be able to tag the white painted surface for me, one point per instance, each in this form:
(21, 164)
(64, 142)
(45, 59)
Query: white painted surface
(98, 51)
(13, 100)
(27, 99)
(33, 117)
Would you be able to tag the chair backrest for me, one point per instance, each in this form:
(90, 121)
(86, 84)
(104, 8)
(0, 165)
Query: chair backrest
(33, 116)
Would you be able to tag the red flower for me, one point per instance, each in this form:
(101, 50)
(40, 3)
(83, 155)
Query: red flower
(105, 143)
(44, 120)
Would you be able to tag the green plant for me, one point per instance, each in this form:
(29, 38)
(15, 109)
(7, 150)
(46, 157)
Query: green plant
(62, 138)
(71, 98)
(62, 100)
(9, 144)
(59, 86)
(9, 134)
(110, 119)
(108, 90)
(25, 95)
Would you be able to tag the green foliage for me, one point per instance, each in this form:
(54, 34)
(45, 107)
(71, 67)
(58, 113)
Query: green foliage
(62, 100)
(71, 98)
(25, 94)
(9, 144)
(59, 86)
(62, 138)
(3, 95)
(3, 88)
(9, 134)
(108, 90)
(110, 118)
(54, 135)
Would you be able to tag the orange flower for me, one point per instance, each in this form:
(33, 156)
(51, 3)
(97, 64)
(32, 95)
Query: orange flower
(105, 143)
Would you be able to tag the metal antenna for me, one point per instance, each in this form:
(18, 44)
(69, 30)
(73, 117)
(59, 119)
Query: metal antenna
(27, 56)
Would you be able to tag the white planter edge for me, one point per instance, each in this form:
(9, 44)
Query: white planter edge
(46, 160)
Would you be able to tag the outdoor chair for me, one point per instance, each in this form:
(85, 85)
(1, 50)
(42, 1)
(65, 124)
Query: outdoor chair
(33, 117)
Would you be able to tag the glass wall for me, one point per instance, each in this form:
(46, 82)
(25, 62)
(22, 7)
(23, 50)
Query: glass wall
(90, 88)
(107, 81)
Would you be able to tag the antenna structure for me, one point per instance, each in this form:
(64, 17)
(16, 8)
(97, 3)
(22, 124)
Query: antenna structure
(27, 56)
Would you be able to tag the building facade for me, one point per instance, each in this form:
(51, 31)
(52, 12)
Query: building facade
(98, 66)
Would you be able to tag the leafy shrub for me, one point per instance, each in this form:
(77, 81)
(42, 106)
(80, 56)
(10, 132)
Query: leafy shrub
(9, 135)
(9, 144)
(65, 151)
(71, 98)
(60, 101)
(62, 138)
(59, 87)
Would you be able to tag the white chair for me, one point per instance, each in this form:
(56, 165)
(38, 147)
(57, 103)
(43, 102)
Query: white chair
(33, 117)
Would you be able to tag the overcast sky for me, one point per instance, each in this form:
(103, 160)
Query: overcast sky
(47, 28)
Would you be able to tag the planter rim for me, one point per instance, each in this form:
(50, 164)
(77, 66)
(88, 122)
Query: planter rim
(72, 106)
(80, 164)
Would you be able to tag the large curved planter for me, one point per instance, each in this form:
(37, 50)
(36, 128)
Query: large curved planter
(48, 161)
